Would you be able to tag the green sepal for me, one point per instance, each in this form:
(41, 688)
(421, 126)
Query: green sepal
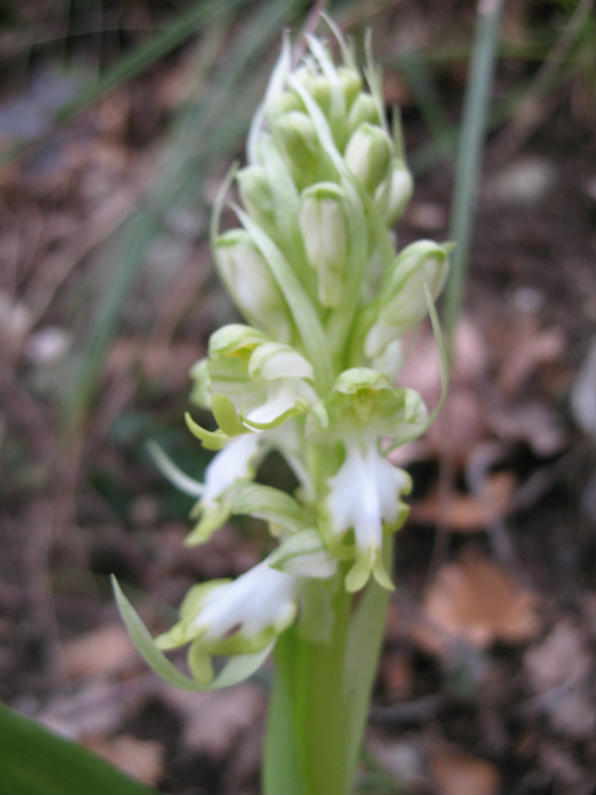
(359, 573)
(211, 440)
(381, 575)
(226, 415)
(199, 663)
(240, 643)
(235, 339)
(366, 563)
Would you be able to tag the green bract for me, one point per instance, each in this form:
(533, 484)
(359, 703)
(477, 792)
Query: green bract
(326, 298)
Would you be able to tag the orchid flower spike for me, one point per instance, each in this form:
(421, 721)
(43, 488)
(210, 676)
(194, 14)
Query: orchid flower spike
(326, 300)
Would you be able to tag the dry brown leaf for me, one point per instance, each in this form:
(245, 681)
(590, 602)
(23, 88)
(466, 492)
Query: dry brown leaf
(456, 773)
(428, 216)
(93, 708)
(102, 651)
(561, 672)
(404, 758)
(535, 423)
(533, 348)
(467, 513)
(477, 600)
(223, 717)
(460, 426)
(143, 759)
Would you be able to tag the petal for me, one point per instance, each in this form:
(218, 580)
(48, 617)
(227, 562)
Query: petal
(259, 599)
(273, 360)
(233, 462)
(278, 403)
(365, 494)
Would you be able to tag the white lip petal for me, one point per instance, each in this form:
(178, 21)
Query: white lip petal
(231, 463)
(260, 598)
(365, 493)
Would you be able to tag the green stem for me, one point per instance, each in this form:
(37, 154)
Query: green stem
(320, 698)
(322, 718)
(282, 771)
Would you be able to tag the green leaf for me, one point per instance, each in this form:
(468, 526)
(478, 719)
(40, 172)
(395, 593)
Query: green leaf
(237, 669)
(35, 761)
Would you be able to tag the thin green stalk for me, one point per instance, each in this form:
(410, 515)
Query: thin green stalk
(469, 156)
(323, 718)
(282, 769)
(321, 696)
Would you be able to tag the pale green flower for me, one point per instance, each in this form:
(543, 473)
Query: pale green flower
(224, 617)
(365, 493)
(315, 272)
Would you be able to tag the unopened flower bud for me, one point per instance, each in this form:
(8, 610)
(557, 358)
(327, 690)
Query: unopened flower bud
(323, 225)
(255, 193)
(298, 140)
(351, 83)
(363, 110)
(283, 102)
(250, 283)
(403, 301)
(394, 193)
(368, 155)
(320, 88)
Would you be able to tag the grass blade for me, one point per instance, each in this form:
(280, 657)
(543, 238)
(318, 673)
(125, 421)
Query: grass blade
(469, 154)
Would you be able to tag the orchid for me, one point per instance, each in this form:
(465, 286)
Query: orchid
(313, 269)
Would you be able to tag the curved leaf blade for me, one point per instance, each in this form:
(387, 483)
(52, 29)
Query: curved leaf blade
(35, 761)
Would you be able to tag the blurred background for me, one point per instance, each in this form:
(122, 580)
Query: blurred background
(117, 123)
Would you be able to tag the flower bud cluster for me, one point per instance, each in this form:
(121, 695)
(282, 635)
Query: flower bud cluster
(314, 271)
